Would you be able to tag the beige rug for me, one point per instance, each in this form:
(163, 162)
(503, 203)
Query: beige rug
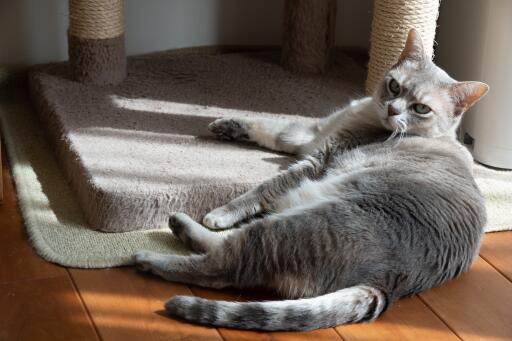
(58, 230)
(497, 188)
(53, 219)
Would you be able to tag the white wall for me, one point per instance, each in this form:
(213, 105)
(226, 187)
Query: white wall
(460, 37)
(460, 41)
(34, 31)
(475, 43)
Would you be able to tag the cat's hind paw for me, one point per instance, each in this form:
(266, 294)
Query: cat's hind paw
(229, 129)
(178, 224)
(145, 260)
(188, 231)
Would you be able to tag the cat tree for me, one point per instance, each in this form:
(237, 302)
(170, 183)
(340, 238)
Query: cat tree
(97, 53)
(392, 20)
(309, 28)
(108, 139)
(96, 41)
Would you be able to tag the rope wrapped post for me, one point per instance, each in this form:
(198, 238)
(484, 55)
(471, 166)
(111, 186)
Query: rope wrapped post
(96, 41)
(392, 20)
(309, 27)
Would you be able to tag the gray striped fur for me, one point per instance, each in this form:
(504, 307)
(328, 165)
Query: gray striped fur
(357, 223)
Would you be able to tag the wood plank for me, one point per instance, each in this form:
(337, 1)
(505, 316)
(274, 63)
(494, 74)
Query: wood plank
(497, 250)
(476, 306)
(408, 319)
(43, 309)
(235, 335)
(18, 260)
(126, 305)
(1, 173)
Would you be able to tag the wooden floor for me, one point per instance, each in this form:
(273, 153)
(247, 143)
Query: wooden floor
(43, 301)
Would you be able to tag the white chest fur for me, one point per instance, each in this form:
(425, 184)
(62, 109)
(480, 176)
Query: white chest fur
(308, 194)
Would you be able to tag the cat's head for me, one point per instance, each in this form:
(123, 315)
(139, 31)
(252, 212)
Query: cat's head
(419, 98)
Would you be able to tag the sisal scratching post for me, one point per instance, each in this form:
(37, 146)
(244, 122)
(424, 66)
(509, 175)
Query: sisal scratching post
(392, 20)
(96, 41)
(309, 27)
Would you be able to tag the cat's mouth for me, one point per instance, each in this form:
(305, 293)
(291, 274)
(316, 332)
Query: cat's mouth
(396, 124)
(386, 122)
(390, 123)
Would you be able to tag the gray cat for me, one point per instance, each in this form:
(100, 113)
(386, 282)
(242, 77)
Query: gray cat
(381, 205)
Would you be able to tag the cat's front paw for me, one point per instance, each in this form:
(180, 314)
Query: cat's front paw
(229, 129)
(219, 218)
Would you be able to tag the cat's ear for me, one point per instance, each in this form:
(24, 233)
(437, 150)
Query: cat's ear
(413, 49)
(465, 94)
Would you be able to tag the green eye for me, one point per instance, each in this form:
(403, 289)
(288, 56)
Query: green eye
(394, 87)
(421, 109)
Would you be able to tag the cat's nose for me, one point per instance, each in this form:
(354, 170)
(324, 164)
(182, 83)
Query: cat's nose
(392, 111)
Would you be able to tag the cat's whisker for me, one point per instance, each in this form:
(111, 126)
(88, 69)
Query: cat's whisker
(401, 131)
(393, 135)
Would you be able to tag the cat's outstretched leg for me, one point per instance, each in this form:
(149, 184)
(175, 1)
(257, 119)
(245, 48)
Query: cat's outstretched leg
(202, 270)
(269, 133)
(194, 235)
(280, 135)
(298, 138)
(207, 269)
(262, 198)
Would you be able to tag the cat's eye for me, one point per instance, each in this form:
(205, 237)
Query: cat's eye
(421, 109)
(394, 87)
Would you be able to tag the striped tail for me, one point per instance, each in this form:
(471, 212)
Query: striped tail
(355, 304)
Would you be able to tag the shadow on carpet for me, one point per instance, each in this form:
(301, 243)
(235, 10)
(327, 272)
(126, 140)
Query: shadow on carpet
(136, 152)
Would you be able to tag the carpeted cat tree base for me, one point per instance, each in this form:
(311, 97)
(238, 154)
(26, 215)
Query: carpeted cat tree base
(138, 151)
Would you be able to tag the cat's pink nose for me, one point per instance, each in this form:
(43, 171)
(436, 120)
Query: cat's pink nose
(392, 111)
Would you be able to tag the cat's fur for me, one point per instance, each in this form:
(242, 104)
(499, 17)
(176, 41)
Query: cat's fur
(360, 221)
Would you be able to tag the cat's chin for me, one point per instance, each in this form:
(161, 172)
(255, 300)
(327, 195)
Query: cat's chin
(391, 126)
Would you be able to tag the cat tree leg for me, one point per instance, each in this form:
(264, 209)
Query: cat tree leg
(392, 20)
(96, 41)
(309, 27)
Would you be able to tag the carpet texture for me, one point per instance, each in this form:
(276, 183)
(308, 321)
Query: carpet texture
(139, 151)
(496, 186)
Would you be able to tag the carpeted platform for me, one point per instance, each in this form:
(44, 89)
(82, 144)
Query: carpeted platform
(139, 151)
